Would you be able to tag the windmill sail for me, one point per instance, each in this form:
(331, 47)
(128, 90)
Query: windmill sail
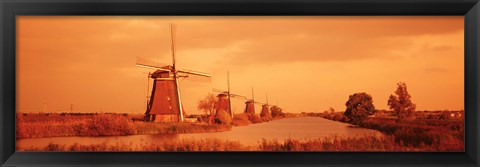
(183, 73)
(147, 63)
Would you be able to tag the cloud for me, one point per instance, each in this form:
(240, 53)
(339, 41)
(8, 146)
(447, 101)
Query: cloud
(258, 40)
(266, 41)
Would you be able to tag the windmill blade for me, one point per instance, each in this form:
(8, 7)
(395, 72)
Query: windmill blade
(172, 33)
(256, 102)
(238, 96)
(195, 78)
(146, 63)
(219, 90)
(152, 67)
(194, 73)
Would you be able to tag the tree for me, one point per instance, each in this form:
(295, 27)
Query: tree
(401, 103)
(359, 107)
(207, 104)
(276, 112)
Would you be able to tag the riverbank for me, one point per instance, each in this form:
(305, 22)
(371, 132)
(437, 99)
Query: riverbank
(443, 134)
(57, 125)
(366, 143)
(438, 134)
(38, 125)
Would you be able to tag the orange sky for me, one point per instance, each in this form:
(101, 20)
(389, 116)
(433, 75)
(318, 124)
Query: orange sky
(306, 64)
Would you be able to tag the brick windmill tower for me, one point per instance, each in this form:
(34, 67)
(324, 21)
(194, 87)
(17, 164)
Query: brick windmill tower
(165, 104)
(266, 110)
(223, 102)
(250, 105)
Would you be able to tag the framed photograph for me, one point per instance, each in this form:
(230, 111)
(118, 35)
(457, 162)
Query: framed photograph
(340, 83)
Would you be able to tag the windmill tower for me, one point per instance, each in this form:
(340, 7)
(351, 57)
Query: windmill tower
(225, 97)
(266, 110)
(250, 105)
(223, 103)
(165, 104)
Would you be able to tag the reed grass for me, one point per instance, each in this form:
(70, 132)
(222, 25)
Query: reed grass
(330, 144)
(40, 125)
(429, 134)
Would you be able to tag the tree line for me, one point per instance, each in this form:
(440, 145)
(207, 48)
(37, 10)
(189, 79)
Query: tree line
(360, 105)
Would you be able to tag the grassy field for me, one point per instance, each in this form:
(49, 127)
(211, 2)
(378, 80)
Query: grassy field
(56, 125)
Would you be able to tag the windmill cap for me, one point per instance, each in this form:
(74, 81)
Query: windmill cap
(161, 73)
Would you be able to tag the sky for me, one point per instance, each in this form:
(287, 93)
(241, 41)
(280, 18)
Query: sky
(302, 64)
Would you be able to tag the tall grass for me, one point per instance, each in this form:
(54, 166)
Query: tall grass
(181, 145)
(444, 135)
(434, 134)
(366, 143)
(54, 125)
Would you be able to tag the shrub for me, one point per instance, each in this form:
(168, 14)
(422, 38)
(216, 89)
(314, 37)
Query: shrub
(240, 119)
(338, 116)
(276, 112)
(254, 118)
(223, 117)
(345, 119)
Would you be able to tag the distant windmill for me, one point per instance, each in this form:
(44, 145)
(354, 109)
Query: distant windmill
(250, 104)
(266, 108)
(225, 96)
(165, 98)
(265, 113)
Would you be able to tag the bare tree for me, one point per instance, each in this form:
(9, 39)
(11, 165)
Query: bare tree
(207, 104)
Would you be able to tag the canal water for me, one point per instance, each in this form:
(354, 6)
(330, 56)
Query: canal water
(302, 128)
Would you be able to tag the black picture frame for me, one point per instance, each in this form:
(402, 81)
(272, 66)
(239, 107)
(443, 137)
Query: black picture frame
(11, 8)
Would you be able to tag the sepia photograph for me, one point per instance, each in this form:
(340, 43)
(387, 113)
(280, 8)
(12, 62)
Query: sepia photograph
(240, 83)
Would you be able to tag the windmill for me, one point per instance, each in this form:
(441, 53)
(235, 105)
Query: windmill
(165, 104)
(266, 108)
(250, 104)
(225, 97)
(265, 113)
